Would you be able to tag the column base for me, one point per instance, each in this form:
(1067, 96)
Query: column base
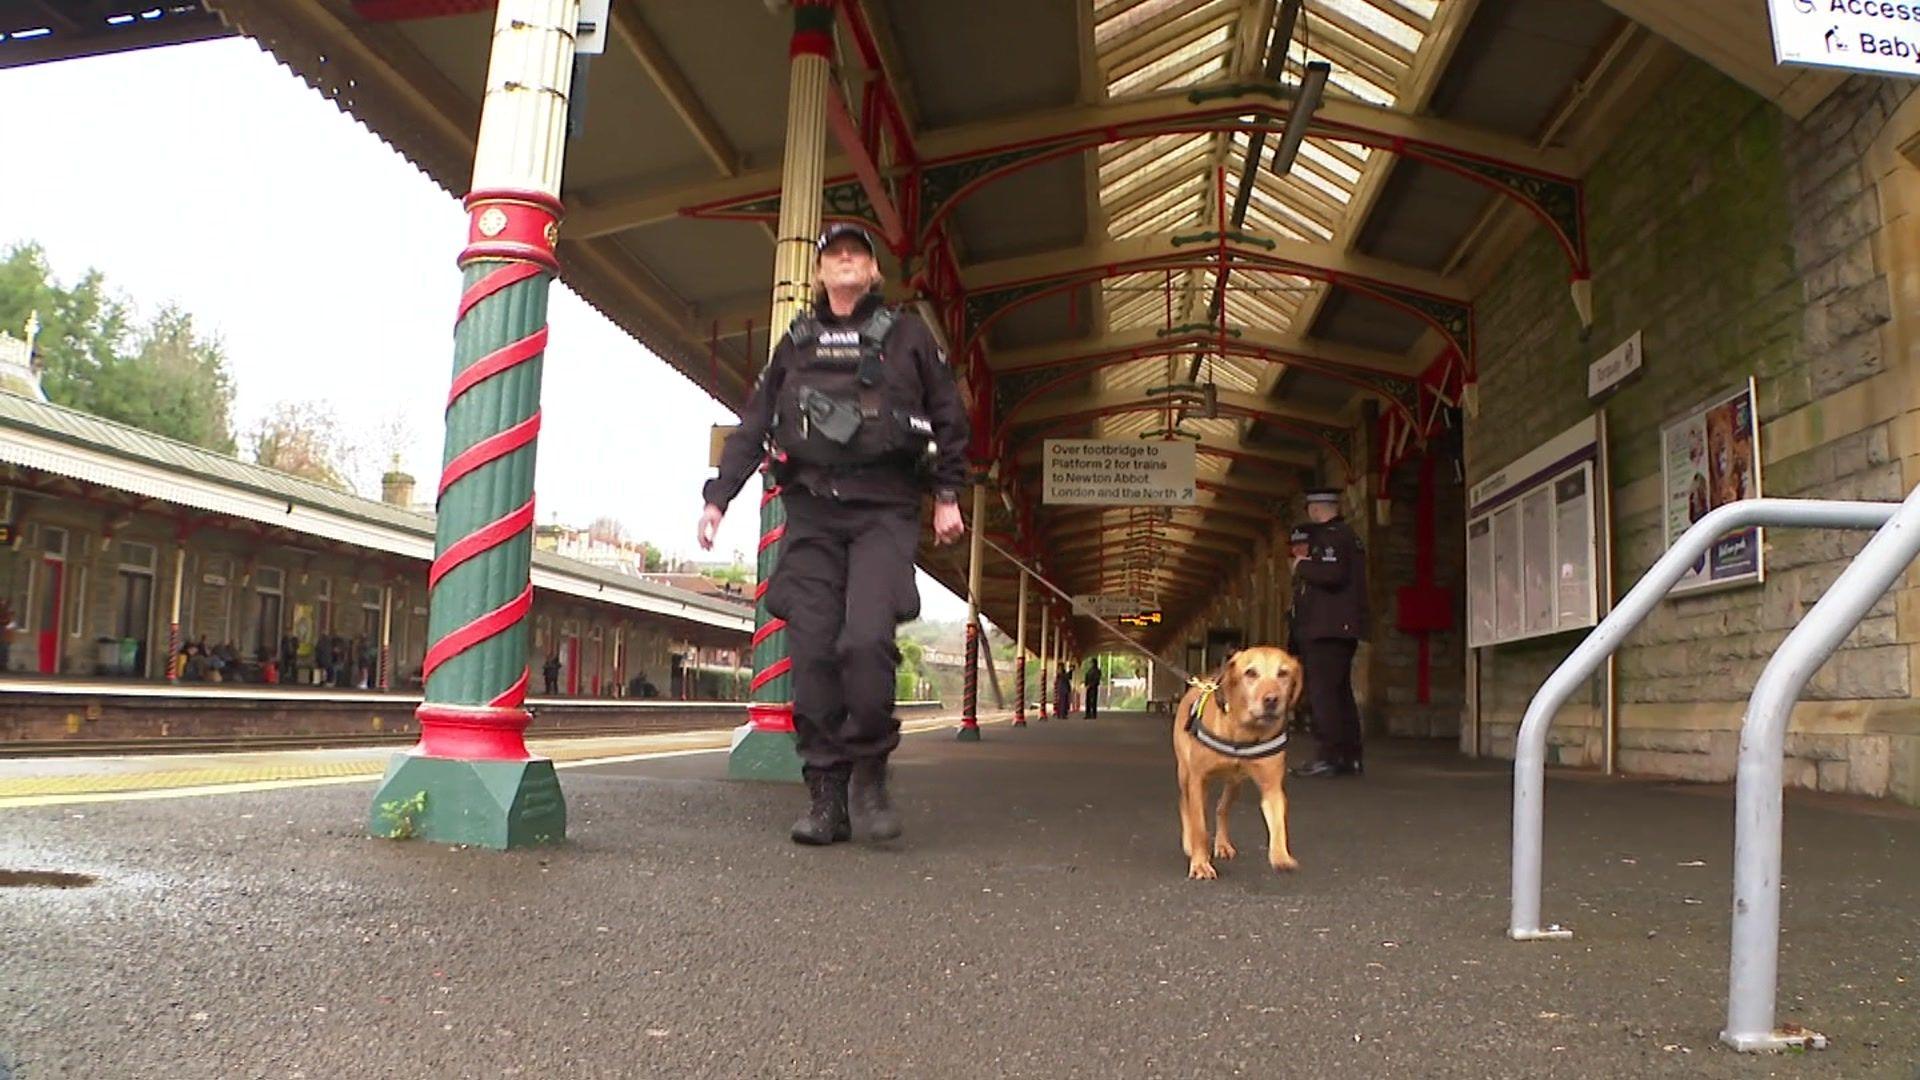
(1788, 1038)
(492, 804)
(759, 754)
(968, 733)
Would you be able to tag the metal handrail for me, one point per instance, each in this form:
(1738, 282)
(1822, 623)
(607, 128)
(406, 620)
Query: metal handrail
(1752, 977)
(1530, 748)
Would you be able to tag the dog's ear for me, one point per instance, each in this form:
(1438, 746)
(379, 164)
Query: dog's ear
(1296, 683)
(1226, 674)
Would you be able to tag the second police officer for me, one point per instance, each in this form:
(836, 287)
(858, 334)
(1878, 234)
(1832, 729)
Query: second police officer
(1330, 621)
(864, 419)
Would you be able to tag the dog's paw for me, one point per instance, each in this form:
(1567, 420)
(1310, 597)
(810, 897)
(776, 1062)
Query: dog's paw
(1223, 849)
(1201, 870)
(1285, 864)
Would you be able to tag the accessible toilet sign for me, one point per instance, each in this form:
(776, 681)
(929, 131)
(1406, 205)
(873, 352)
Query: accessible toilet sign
(1881, 36)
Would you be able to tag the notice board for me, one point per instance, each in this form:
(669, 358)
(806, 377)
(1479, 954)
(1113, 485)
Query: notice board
(1533, 542)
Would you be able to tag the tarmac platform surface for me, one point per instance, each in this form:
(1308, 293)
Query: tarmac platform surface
(1035, 921)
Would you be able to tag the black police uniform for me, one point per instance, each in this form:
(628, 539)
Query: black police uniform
(845, 574)
(1330, 619)
(1301, 534)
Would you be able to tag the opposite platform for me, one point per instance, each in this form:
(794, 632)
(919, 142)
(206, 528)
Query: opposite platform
(1036, 921)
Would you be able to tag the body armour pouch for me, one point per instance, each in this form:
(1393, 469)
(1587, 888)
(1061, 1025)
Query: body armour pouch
(832, 419)
(840, 405)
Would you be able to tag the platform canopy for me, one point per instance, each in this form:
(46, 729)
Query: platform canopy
(1071, 191)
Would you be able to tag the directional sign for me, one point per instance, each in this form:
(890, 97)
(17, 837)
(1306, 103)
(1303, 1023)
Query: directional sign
(1096, 472)
(1109, 606)
(1859, 35)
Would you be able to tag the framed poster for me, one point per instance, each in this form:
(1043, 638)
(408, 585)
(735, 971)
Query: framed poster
(1711, 457)
(1480, 581)
(1533, 554)
(1573, 521)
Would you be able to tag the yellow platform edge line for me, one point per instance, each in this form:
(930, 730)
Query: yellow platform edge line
(241, 786)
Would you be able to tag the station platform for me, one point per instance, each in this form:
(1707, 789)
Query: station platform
(1035, 921)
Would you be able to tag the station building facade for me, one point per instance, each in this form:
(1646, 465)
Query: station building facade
(122, 548)
(1739, 244)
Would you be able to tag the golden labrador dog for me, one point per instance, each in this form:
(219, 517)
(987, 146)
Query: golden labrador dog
(1235, 730)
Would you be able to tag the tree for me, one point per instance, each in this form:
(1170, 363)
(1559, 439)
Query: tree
(175, 384)
(82, 329)
(164, 377)
(912, 671)
(653, 560)
(729, 575)
(302, 438)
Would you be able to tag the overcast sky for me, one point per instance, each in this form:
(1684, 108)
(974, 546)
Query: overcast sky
(208, 176)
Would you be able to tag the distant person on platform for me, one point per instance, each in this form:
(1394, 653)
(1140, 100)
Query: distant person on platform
(550, 673)
(1330, 620)
(1063, 693)
(862, 418)
(1092, 683)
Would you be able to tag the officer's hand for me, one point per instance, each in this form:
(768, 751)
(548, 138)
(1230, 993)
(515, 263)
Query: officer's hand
(947, 523)
(710, 525)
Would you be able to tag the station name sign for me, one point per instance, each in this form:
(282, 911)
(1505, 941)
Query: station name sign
(1880, 36)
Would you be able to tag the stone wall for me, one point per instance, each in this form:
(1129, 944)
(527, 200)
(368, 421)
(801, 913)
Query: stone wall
(1739, 243)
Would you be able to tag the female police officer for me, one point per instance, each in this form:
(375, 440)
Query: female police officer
(863, 416)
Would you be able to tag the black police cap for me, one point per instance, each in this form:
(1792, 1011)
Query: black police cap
(844, 228)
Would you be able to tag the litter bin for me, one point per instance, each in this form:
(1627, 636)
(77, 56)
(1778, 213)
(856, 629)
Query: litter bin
(107, 655)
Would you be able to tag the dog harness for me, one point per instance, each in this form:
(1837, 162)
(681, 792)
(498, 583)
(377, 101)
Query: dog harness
(1249, 751)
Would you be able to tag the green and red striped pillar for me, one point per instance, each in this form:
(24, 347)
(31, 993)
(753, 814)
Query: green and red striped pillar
(765, 750)
(470, 779)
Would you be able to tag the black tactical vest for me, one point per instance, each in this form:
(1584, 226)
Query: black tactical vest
(842, 403)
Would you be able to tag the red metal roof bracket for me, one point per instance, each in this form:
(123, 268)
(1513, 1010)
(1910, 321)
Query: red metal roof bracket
(840, 122)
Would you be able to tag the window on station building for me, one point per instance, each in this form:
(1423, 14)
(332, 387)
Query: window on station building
(269, 590)
(323, 607)
(133, 600)
(77, 608)
(370, 613)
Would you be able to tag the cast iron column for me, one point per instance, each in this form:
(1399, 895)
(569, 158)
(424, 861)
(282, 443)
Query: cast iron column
(471, 780)
(765, 751)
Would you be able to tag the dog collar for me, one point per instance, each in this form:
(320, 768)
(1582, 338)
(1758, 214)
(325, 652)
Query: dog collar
(1249, 751)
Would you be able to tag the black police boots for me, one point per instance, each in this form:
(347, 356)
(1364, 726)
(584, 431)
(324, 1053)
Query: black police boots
(867, 799)
(825, 821)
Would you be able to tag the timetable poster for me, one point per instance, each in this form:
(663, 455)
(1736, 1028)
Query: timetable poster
(1573, 525)
(1480, 581)
(1711, 458)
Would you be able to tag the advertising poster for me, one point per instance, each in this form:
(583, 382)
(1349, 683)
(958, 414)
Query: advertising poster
(1711, 457)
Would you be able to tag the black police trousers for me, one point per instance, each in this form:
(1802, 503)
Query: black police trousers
(843, 583)
(1328, 664)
